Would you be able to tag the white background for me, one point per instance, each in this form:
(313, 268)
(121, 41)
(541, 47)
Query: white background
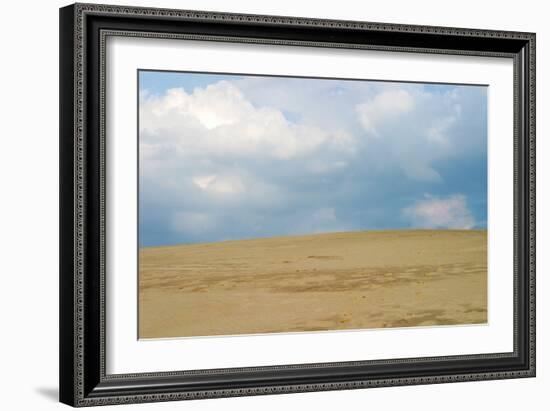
(126, 354)
(29, 206)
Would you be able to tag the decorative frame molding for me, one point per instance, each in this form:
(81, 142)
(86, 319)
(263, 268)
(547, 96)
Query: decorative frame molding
(83, 32)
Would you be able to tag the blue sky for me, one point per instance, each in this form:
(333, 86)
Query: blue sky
(227, 157)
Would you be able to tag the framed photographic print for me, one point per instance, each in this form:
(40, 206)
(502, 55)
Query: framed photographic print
(261, 204)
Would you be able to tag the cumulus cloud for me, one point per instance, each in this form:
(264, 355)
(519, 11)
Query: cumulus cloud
(219, 120)
(219, 184)
(384, 106)
(416, 129)
(263, 156)
(440, 212)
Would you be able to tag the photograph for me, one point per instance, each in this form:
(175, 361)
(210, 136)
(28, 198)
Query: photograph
(280, 204)
(291, 200)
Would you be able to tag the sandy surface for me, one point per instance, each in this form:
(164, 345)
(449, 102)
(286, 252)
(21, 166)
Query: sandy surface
(316, 282)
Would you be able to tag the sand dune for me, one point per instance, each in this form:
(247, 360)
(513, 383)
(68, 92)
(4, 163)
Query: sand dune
(316, 282)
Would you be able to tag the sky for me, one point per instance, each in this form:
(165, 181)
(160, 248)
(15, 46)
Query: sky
(226, 157)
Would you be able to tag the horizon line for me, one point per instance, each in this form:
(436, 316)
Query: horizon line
(383, 230)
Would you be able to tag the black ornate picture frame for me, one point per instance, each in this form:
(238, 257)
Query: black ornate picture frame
(83, 32)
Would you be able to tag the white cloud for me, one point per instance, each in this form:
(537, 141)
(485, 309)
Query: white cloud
(204, 181)
(219, 120)
(438, 131)
(415, 128)
(272, 157)
(384, 106)
(215, 184)
(440, 212)
(420, 171)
